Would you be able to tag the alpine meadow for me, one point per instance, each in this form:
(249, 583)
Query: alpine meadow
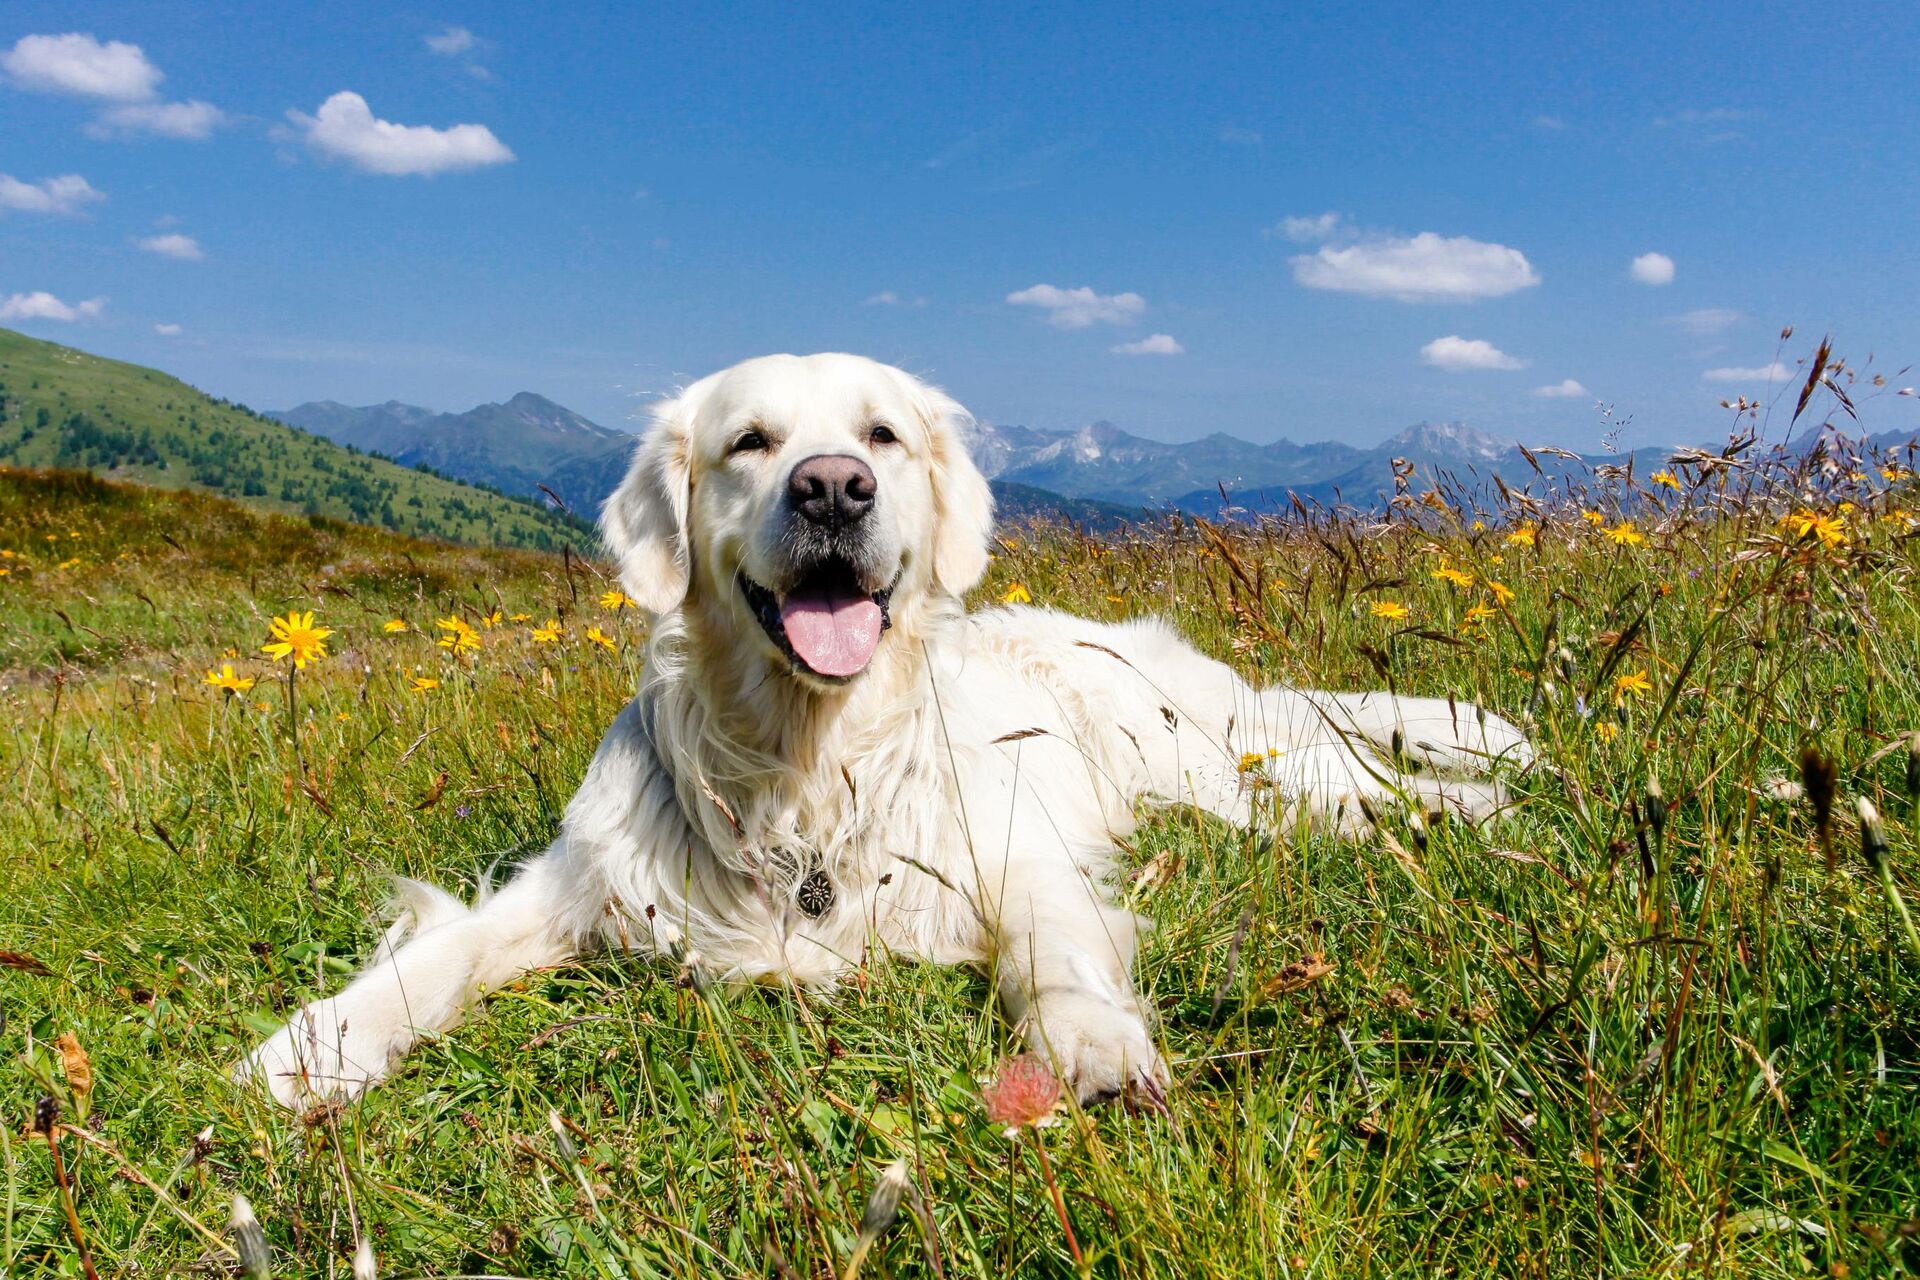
(959, 642)
(1658, 1018)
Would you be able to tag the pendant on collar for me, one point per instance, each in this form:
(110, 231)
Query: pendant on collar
(814, 897)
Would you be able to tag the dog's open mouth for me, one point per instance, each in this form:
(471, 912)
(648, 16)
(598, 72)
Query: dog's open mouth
(827, 624)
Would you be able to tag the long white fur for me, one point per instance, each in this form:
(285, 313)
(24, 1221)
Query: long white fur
(964, 794)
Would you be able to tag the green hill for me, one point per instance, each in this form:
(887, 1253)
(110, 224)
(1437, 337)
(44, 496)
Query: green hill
(65, 408)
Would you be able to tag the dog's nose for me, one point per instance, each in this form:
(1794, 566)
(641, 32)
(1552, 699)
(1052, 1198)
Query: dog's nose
(831, 489)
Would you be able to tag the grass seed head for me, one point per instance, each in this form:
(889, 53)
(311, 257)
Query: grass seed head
(250, 1241)
(1873, 836)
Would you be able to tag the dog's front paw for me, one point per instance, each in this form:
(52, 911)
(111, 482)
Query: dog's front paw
(1100, 1050)
(331, 1051)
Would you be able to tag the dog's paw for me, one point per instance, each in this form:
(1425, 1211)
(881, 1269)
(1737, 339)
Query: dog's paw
(330, 1051)
(1100, 1050)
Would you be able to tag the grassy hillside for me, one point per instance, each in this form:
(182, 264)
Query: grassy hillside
(1663, 1019)
(65, 408)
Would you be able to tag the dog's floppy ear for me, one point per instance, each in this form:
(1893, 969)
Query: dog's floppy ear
(644, 521)
(962, 502)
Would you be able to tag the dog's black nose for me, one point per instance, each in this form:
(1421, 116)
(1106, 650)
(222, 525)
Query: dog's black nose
(832, 489)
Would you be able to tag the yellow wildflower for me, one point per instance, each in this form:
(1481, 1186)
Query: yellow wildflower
(1392, 610)
(1593, 517)
(491, 620)
(393, 626)
(1477, 617)
(1525, 536)
(1625, 535)
(1805, 524)
(295, 637)
(460, 638)
(601, 638)
(548, 634)
(1606, 731)
(1017, 594)
(1501, 591)
(1633, 685)
(617, 600)
(1447, 573)
(520, 617)
(1666, 478)
(225, 679)
(423, 684)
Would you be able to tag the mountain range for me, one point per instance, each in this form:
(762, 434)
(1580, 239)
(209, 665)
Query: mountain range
(528, 446)
(1097, 475)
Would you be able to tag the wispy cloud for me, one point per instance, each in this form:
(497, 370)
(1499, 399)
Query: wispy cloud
(1154, 344)
(1423, 268)
(41, 305)
(1707, 321)
(1234, 136)
(190, 121)
(1775, 372)
(1552, 124)
(452, 42)
(1567, 389)
(1696, 116)
(1080, 308)
(889, 298)
(1313, 229)
(174, 245)
(66, 194)
(167, 330)
(1458, 355)
(1652, 268)
(345, 128)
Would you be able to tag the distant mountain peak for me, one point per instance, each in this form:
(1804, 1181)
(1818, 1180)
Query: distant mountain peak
(1452, 439)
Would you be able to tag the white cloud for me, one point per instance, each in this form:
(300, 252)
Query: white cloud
(192, 121)
(1566, 390)
(1423, 268)
(1455, 354)
(80, 65)
(1652, 268)
(1154, 344)
(889, 298)
(1775, 372)
(1079, 308)
(1707, 321)
(1314, 230)
(1551, 123)
(64, 194)
(41, 305)
(346, 129)
(1234, 136)
(174, 245)
(167, 330)
(452, 42)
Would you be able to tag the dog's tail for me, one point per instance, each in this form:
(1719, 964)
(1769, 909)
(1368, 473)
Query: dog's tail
(416, 907)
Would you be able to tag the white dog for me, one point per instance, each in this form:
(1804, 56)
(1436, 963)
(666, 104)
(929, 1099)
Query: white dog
(827, 753)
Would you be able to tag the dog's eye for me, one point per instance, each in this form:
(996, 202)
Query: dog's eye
(748, 442)
(881, 433)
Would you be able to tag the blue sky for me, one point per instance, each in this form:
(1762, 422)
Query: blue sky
(1059, 214)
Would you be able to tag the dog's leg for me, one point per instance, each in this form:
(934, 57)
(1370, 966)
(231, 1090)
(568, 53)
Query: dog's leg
(337, 1047)
(1457, 737)
(1064, 961)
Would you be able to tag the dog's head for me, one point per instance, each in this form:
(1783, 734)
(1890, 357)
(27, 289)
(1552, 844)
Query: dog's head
(805, 501)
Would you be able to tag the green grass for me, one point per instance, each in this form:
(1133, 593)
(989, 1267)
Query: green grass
(1567, 1044)
(65, 408)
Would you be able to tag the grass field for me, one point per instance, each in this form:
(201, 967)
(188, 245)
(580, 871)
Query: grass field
(1662, 1019)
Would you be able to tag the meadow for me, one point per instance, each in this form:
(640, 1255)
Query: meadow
(1662, 1018)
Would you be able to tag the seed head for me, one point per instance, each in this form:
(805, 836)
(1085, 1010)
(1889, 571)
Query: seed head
(250, 1241)
(883, 1206)
(1873, 836)
(1913, 767)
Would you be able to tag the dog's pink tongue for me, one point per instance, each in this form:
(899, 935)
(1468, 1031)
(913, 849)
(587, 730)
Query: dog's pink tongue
(834, 633)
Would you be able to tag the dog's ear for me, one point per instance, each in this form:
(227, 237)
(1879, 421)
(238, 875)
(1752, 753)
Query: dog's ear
(962, 502)
(644, 521)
